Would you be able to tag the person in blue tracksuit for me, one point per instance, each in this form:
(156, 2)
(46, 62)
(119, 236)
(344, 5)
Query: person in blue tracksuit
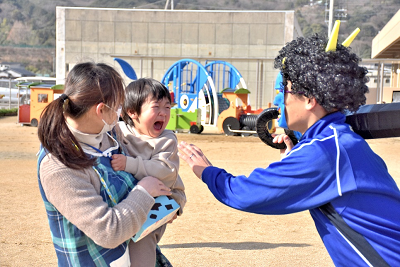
(330, 163)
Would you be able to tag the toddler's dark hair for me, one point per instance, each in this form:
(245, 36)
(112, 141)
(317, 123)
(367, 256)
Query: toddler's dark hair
(136, 94)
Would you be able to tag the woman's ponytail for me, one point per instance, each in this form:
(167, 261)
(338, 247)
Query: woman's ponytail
(56, 137)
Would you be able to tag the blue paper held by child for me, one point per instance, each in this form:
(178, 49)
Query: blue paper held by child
(162, 211)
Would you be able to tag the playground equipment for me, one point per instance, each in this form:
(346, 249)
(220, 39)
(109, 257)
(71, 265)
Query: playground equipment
(212, 95)
(40, 96)
(218, 91)
(225, 75)
(127, 68)
(239, 119)
(184, 121)
(193, 89)
(180, 120)
(370, 122)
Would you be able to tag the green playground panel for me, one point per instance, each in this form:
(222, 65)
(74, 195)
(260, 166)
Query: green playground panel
(181, 120)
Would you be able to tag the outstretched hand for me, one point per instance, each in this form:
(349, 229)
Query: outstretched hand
(154, 186)
(194, 157)
(280, 138)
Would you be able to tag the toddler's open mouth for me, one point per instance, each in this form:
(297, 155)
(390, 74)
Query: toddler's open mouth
(158, 125)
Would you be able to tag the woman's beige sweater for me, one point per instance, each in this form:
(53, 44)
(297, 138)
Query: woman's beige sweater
(76, 195)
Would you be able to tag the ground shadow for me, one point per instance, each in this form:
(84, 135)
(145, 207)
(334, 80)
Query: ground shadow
(235, 246)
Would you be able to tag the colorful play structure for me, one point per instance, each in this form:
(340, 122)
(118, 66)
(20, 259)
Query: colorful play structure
(217, 91)
(213, 95)
(40, 95)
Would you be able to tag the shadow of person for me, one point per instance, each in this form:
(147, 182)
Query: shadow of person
(235, 246)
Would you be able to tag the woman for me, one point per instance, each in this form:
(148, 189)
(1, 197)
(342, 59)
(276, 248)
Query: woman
(93, 211)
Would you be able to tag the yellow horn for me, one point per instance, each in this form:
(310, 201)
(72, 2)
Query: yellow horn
(351, 37)
(331, 46)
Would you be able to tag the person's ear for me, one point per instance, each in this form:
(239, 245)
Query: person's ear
(132, 115)
(310, 103)
(99, 109)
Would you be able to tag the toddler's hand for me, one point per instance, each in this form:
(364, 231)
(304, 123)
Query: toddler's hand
(173, 218)
(118, 162)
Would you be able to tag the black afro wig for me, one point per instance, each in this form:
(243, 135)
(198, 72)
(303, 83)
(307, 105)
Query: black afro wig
(333, 78)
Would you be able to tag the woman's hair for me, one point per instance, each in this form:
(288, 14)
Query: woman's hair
(137, 93)
(87, 84)
(333, 78)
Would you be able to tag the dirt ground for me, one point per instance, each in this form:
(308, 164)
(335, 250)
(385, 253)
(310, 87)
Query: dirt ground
(208, 233)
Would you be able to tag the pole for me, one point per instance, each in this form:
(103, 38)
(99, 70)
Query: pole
(19, 103)
(151, 68)
(261, 84)
(9, 86)
(378, 83)
(257, 83)
(54, 63)
(330, 17)
(273, 93)
(381, 82)
(141, 67)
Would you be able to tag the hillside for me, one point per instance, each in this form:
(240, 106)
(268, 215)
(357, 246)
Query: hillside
(31, 23)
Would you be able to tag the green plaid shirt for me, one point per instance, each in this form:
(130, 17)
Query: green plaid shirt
(73, 247)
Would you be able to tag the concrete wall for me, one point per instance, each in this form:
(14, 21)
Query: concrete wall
(152, 40)
(388, 94)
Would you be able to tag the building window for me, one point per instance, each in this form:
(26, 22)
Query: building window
(396, 96)
(43, 98)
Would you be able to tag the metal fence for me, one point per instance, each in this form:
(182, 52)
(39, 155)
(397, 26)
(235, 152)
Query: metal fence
(9, 94)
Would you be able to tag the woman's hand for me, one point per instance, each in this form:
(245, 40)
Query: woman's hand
(280, 138)
(194, 157)
(154, 186)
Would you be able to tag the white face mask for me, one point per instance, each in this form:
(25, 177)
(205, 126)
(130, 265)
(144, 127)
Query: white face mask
(108, 127)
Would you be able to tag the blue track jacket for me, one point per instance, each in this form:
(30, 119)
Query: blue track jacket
(329, 164)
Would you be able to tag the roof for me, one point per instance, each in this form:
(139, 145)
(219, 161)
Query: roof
(23, 71)
(15, 72)
(46, 86)
(387, 43)
(236, 91)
